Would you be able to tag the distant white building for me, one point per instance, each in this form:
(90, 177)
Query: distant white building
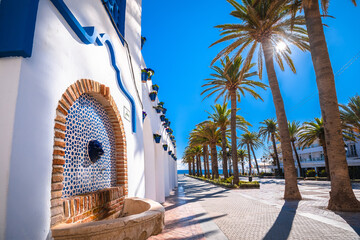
(313, 158)
(77, 122)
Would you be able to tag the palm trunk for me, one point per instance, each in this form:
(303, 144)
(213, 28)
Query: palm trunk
(223, 142)
(214, 160)
(291, 188)
(297, 159)
(233, 136)
(206, 152)
(249, 155)
(189, 165)
(200, 167)
(193, 164)
(257, 166)
(205, 170)
(276, 154)
(342, 197)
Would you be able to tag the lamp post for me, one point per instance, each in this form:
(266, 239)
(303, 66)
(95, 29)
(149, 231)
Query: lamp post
(229, 161)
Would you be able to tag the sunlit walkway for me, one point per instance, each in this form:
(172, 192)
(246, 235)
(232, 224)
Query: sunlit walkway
(202, 211)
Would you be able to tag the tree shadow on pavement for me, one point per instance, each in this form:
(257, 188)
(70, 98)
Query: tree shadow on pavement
(352, 218)
(192, 220)
(281, 228)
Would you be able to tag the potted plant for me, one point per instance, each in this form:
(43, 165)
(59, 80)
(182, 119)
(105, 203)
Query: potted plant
(143, 40)
(169, 152)
(161, 104)
(144, 75)
(162, 118)
(166, 120)
(165, 146)
(157, 137)
(158, 109)
(155, 87)
(150, 73)
(144, 114)
(164, 110)
(152, 96)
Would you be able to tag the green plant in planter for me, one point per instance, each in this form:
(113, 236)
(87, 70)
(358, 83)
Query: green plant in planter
(143, 40)
(311, 173)
(150, 73)
(161, 104)
(144, 75)
(155, 87)
(158, 109)
(165, 146)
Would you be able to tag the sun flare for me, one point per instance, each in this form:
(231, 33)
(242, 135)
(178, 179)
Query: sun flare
(281, 46)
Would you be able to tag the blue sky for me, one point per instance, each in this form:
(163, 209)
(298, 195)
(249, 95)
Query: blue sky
(179, 34)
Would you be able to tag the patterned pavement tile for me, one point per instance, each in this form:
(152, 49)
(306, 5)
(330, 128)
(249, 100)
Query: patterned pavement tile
(255, 213)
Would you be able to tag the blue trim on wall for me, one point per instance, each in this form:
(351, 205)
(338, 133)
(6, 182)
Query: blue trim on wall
(89, 35)
(17, 27)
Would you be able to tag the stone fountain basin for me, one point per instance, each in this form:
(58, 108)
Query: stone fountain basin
(141, 218)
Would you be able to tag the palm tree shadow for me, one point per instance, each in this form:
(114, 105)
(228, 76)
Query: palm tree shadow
(352, 218)
(281, 228)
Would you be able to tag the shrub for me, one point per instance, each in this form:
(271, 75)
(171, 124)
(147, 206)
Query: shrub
(311, 173)
(322, 173)
(229, 179)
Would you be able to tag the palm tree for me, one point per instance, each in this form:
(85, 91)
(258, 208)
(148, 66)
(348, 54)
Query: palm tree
(342, 197)
(231, 80)
(269, 131)
(187, 160)
(208, 132)
(251, 140)
(190, 156)
(314, 131)
(350, 114)
(221, 117)
(241, 154)
(294, 128)
(264, 25)
(197, 153)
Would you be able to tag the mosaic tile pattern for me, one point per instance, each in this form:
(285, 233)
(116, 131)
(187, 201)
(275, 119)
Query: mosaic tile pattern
(87, 120)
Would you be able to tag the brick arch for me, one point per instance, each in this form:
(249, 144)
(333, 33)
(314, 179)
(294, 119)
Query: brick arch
(87, 207)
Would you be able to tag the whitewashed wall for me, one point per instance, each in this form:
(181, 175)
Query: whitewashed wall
(31, 92)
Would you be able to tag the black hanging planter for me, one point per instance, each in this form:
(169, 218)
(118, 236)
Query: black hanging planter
(165, 146)
(152, 96)
(162, 118)
(169, 152)
(157, 138)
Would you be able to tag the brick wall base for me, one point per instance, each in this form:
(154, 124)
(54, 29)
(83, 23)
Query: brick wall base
(102, 204)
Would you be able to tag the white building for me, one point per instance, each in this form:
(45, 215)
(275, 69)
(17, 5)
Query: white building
(69, 82)
(313, 158)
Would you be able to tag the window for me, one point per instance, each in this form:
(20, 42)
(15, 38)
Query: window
(117, 9)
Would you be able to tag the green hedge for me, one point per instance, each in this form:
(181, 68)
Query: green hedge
(228, 182)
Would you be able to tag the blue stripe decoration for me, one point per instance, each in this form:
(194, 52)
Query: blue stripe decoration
(17, 27)
(89, 35)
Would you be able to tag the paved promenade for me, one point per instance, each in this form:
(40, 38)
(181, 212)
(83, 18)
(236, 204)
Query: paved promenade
(199, 210)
